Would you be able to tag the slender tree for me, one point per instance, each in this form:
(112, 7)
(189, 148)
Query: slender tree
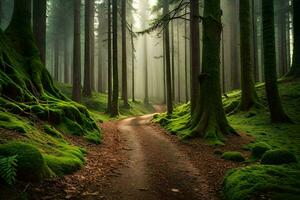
(76, 90)
(115, 93)
(249, 96)
(66, 62)
(167, 59)
(173, 60)
(186, 57)
(56, 59)
(178, 62)
(92, 32)
(39, 26)
(195, 52)
(132, 62)
(277, 113)
(100, 57)
(295, 70)
(124, 55)
(109, 56)
(209, 120)
(87, 87)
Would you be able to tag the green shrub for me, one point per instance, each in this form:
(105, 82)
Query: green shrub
(8, 169)
(31, 165)
(278, 157)
(233, 156)
(259, 149)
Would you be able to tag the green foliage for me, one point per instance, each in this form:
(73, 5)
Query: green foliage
(275, 182)
(258, 149)
(278, 157)
(233, 156)
(8, 169)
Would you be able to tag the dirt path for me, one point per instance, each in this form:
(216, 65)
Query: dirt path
(138, 161)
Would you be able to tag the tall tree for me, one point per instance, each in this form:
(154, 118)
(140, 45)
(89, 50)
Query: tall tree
(186, 57)
(56, 59)
(277, 113)
(249, 96)
(209, 120)
(195, 52)
(66, 62)
(76, 90)
(178, 61)
(92, 13)
(87, 84)
(100, 57)
(115, 94)
(173, 60)
(109, 56)
(132, 63)
(124, 55)
(167, 59)
(295, 70)
(39, 26)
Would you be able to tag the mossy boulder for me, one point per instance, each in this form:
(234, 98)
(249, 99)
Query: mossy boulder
(258, 149)
(278, 157)
(30, 163)
(233, 156)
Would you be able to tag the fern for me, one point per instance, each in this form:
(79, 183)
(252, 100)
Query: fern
(8, 169)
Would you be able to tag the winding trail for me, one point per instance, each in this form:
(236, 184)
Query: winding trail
(156, 168)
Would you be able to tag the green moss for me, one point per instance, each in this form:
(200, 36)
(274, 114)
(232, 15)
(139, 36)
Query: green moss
(233, 156)
(30, 163)
(11, 122)
(52, 131)
(278, 157)
(275, 182)
(258, 149)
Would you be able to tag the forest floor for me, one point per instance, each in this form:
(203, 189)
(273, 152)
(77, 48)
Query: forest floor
(138, 160)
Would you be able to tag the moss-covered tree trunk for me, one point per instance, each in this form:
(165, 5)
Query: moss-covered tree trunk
(124, 55)
(249, 96)
(277, 113)
(39, 26)
(209, 120)
(167, 57)
(87, 83)
(115, 93)
(195, 52)
(76, 90)
(295, 70)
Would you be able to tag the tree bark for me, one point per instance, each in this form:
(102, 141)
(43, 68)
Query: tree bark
(277, 113)
(173, 60)
(87, 87)
(249, 96)
(92, 13)
(76, 90)
(186, 58)
(178, 63)
(132, 63)
(168, 64)
(124, 55)
(56, 59)
(208, 120)
(255, 45)
(146, 99)
(109, 55)
(66, 63)
(39, 26)
(115, 94)
(100, 57)
(295, 70)
(195, 52)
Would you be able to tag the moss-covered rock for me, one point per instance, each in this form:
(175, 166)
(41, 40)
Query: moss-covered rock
(278, 157)
(233, 156)
(275, 182)
(258, 149)
(30, 163)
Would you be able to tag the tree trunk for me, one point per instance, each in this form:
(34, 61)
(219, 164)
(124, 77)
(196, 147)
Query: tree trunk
(186, 58)
(115, 95)
(178, 62)
(295, 70)
(164, 70)
(39, 26)
(56, 59)
(66, 63)
(173, 60)
(76, 90)
(100, 57)
(146, 99)
(249, 96)
(195, 52)
(255, 46)
(132, 63)
(168, 64)
(208, 120)
(87, 87)
(277, 113)
(109, 66)
(124, 55)
(92, 45)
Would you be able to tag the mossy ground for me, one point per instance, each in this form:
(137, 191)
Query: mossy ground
(278, 182)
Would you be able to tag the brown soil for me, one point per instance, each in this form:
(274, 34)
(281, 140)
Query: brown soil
(137, 160)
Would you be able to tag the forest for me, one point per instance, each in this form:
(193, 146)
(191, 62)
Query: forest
(150, 99)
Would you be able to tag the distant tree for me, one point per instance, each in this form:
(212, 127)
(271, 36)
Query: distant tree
(100, 57)
(277, 113)
(172, 60)
(167, 55)
(249, 96)
(132, 63)
(109, 56)
(76, 90)
(295, 70)
(92, 13)
(115, 94)
(186, 58)
(87, 87)
(178, 62)
(124, 54)
(56, 59)
(195, 52)
(39, 26)
(209, 120)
